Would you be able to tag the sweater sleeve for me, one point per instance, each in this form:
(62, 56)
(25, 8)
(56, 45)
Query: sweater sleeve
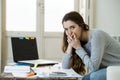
(97, 51)
(66, 61)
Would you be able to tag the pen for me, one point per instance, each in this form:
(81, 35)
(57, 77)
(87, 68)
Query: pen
(31, 74)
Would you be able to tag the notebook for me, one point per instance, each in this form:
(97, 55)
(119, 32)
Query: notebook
(25, 52)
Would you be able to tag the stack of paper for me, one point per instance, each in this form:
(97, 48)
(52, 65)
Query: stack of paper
(21, 69)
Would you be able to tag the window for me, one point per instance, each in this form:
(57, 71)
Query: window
(54, 12)
(21, 15)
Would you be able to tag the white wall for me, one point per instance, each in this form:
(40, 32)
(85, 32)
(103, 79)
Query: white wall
(53, 48)
(107, 16)
(0, 35)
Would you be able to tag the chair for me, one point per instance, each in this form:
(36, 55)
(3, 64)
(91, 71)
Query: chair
(113, 73)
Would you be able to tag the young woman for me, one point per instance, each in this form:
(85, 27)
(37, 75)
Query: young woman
(94, 49)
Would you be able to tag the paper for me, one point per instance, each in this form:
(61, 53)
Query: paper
(56, 72)
(19, 74)
(21, 69)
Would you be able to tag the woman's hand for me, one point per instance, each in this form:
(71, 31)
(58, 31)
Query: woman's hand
(73, 41)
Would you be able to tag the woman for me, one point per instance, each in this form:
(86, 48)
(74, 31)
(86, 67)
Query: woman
(94, 49)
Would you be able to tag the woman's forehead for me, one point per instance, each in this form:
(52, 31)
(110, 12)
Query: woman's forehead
(68, 23)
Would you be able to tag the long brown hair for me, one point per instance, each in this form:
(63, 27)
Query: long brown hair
(76, 62)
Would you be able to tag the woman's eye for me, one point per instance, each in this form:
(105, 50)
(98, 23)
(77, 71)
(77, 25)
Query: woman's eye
(72, 27)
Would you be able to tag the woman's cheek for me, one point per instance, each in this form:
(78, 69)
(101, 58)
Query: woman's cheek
(67, 33)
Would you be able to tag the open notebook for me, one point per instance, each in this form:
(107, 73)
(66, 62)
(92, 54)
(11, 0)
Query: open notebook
(25, 51)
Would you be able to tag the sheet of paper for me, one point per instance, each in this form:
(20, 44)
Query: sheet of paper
(47, 71)
(10, 69)
(19, 74)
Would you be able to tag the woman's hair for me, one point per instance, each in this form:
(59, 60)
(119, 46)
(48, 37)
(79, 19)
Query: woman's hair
(76, 61)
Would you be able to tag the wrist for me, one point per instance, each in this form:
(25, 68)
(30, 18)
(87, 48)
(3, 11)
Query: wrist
(78, 47)
(69, 50)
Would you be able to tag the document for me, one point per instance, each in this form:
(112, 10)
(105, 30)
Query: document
(20, 69)
(64, 73)
(56, 72)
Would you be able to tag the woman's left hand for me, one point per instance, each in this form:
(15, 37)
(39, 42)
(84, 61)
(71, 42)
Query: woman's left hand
(74, 41)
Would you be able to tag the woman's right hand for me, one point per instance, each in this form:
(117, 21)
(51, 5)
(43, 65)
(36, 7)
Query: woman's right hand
(73, 41)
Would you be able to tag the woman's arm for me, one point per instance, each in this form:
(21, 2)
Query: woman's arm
(97, 51)
(66, 61)
(66, 58)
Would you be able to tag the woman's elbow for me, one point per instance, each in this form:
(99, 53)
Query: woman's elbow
(64, 66)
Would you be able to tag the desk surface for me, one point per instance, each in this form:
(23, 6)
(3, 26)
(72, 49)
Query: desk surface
(9, 76)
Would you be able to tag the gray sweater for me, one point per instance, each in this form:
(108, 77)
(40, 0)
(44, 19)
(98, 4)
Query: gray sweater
(100, 51)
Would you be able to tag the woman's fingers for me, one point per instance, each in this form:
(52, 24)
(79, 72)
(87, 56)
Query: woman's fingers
(71, 38)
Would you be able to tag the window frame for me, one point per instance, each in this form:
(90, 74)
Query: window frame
(40, 20)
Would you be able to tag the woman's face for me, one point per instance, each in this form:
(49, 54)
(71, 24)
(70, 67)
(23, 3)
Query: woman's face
(71, 28)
